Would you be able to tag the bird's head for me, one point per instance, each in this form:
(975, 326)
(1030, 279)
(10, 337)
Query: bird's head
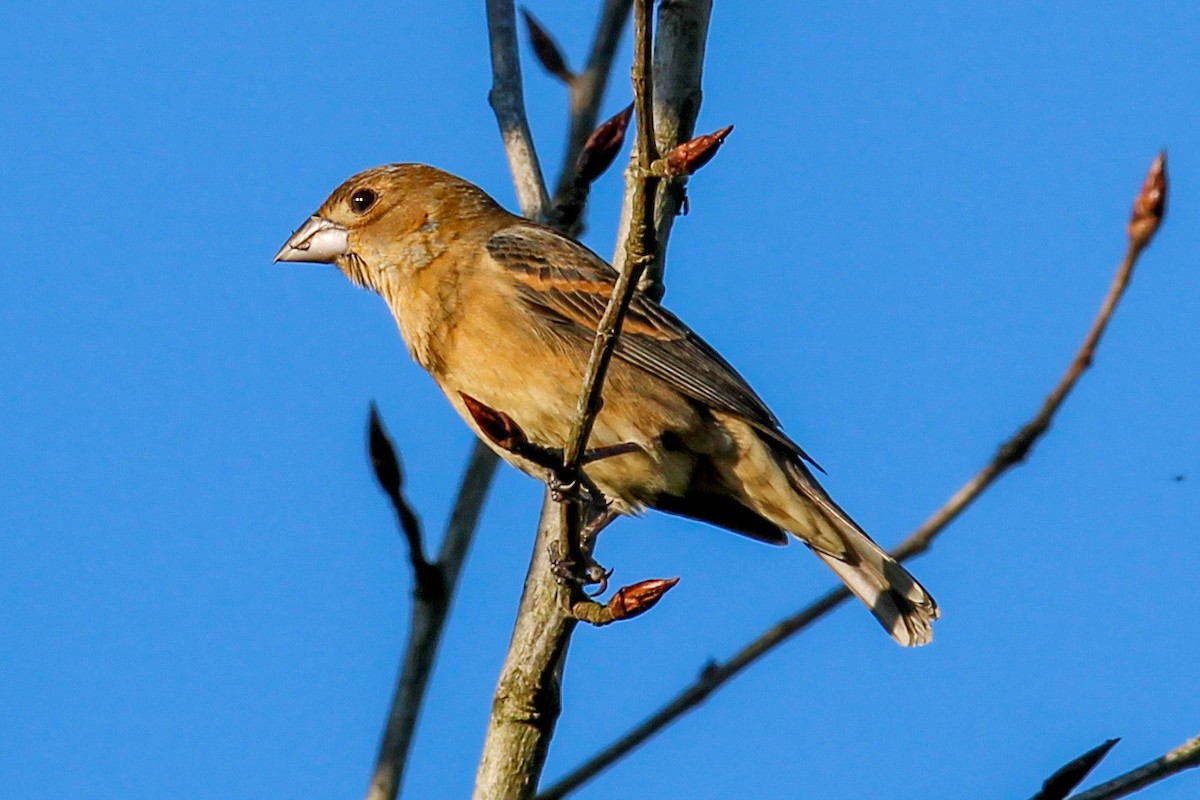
(388, 222)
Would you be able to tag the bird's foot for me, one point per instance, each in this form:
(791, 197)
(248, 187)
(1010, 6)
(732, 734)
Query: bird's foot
(563, 489)
(581, 572)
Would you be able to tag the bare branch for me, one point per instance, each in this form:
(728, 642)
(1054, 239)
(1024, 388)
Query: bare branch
(507, 99)
(428, 621)
(528, 696)
(639, 245)
(1009, 454)
(678, 69)
(1186, 756)
(427, 579)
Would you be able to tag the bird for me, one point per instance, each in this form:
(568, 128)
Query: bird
(503, 310)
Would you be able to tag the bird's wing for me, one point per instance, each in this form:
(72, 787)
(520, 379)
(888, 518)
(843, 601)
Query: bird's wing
(570, 286)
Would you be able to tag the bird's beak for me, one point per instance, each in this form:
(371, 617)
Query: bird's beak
(317, 240)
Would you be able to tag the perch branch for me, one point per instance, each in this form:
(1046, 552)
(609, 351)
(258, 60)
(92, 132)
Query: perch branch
(678, 70)
(640, 245)
(528, 695)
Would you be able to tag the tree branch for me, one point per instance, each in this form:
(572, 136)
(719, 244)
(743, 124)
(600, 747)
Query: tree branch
(1149, 207)
(678, 70)
(1185, 756)
(429, 613)
(528, 696)
(507, 99)
(640, 243)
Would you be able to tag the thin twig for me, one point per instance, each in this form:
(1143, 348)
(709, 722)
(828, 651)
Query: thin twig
(678, 70)
(1185, 756)
(427, 579)
(507, 99)
(640, 244)
(429, 615)
(588, 87)
(1009, 454)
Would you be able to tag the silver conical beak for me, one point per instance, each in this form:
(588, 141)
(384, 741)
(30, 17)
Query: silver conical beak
(317, 240)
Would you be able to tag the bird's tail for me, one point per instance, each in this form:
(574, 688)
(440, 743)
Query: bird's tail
(773, 482)
(897, 600)
(893, 595)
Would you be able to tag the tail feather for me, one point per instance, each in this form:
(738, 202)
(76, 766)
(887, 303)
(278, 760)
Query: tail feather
(898, 601)
(894, 596)
(772, 481)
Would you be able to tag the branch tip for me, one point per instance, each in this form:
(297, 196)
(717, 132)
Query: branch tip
(384, 461)
(1150, 205)
(636, 599)
(1064, 781)
(548, 53)
(693, 154)
(602, 147)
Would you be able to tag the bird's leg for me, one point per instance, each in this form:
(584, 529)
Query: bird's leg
(589, 532)
(577, 566)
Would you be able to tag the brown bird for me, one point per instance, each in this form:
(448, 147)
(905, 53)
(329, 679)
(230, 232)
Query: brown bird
(505, 310)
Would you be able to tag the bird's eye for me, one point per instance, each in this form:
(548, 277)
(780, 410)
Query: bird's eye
(362, 200)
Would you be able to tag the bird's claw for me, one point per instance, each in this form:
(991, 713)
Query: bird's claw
(562, 490)
(584, 572)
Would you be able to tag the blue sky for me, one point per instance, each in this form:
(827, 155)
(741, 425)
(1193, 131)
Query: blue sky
(900, 246)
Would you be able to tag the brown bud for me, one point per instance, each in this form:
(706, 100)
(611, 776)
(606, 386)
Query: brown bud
(547, 50)
(631, 601)
(1063, 782)
(601, 148)
(496, 425)
(690, 156)
(383, 456)
(1150, 206)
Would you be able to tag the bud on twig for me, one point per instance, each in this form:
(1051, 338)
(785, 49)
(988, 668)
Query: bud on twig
(496, 425)
(547, 50)
(1150, 206)
(690, 156)
(632, 601)
(1063, 782)
(383, 456)
(602, 146)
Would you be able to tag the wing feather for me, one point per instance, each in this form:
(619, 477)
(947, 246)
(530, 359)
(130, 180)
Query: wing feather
(570, 286)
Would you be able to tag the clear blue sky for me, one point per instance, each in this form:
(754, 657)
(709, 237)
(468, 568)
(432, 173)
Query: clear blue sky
(901, 245)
